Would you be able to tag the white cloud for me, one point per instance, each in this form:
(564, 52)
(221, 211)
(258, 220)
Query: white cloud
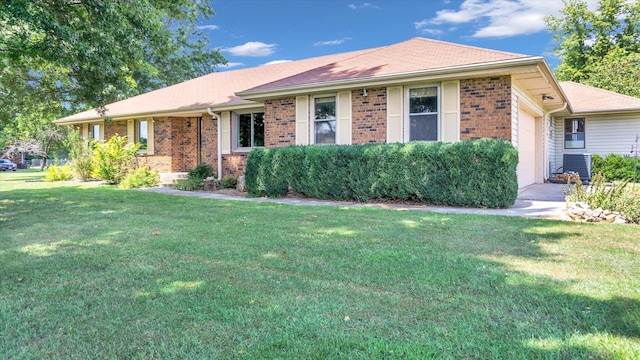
(208, 27)
(432, 32)
(362, 6)
(277, 62)
(497, 18)
(231, 64)
(252, 48)
(331, 42)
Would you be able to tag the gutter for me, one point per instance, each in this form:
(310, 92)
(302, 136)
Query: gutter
(545, 150)
(219, 142)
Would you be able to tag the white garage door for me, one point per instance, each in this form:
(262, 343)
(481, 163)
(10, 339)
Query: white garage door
(527, 149)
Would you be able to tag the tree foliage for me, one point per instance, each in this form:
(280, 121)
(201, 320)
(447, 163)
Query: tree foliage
(599, 48)
(60, 56)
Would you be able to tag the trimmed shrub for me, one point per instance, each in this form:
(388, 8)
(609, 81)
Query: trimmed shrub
(229, 182)
(58, 173)
(201, 171)
(479, 173)
(615, 167)
(139, 178)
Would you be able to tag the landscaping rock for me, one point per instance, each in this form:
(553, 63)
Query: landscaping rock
(240, 186)
(580, 211)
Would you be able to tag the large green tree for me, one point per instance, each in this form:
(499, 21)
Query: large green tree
(599, 48)
(58, 56)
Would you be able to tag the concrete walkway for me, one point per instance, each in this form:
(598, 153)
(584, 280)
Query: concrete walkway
(535, 201)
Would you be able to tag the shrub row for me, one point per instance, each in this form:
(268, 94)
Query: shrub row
(479, 173)
(615, 167)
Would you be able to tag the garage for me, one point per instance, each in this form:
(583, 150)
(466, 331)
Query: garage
(526, 148)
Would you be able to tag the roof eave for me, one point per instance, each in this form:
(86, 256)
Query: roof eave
(504, 66)
(606, 112)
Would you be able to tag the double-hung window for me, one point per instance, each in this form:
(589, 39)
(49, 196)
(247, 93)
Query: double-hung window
(325, 120)
(142, 134)
(423, 114)
(574, 133)
(250, 130)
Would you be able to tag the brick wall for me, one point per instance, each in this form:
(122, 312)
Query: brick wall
(184, 143)
(279, 122)
(209, 141)
(234, 164)
(485, 108)
(369, 116)
(113, 128)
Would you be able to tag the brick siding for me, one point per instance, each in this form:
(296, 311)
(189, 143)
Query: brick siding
(113, 128)
(234, 164)
(369, 116)
(485, 108)
(184, 144)
(280, 122)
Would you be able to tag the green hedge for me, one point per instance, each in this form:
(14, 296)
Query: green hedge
(479, 173)
(614, 167)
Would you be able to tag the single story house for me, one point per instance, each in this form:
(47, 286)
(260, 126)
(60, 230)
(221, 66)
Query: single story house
(416, 90)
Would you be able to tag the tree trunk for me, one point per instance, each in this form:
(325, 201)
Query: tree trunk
(44, 163)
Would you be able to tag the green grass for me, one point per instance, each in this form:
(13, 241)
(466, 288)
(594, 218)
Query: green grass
(89, 271)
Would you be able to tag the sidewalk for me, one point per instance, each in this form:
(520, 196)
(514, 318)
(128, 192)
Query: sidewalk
(536, 201)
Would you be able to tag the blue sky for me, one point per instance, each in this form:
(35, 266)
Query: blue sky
(255, 32)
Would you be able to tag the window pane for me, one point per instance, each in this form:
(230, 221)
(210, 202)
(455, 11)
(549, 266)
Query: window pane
(244, 130)
(423, 100)
(574, 133)
(325, 132)
(325, 108)
(423, 127)
(142, 134)
(258, 129)
(96, 132)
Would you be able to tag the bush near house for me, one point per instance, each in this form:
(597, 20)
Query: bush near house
(614, 167)
(480, 173)
(141, 177)
(114, 158)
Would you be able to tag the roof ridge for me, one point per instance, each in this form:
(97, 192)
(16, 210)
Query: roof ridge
(468, 46)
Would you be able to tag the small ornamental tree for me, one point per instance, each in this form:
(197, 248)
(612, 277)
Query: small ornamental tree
(114, 158)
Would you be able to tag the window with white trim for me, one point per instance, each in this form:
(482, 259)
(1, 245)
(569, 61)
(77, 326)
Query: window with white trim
(249, 130)
(142, 134)
(94, 132)
(324, 120)
(574, 133)
(423, 114)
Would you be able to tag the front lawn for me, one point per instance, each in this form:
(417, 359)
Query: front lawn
(91, 271)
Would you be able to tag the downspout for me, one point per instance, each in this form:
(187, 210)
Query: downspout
(216, 117)
(546, 147)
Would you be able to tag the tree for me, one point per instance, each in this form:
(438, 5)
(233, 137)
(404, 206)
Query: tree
(88, 53)
(599, 48)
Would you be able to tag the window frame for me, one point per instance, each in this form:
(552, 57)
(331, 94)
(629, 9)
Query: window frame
(314, 121)
(577, 133)
(408, 113)
(137, 131)
(236, 129)
(92, 132)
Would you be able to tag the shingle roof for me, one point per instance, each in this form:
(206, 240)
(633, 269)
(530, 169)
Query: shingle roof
(208, 90)
(417, 54)
(588, 99)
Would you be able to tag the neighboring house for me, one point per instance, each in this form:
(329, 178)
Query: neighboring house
(416, 90)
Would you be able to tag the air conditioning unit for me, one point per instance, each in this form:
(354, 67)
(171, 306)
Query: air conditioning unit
(578, 163)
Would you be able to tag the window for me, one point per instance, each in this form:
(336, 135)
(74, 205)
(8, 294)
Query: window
(423, 114)
(94, 132)
(574, 133)
(250, 130)
(142, 134)
(325, 120)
